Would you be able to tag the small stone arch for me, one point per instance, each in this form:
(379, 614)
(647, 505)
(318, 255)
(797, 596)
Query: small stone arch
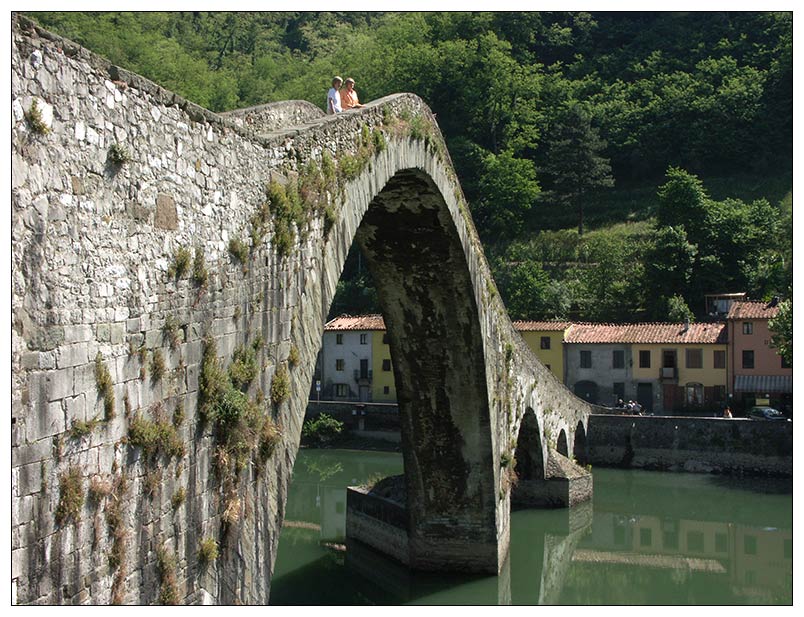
(561, 444)
(529, 454)
(530, 465)
(580, 449)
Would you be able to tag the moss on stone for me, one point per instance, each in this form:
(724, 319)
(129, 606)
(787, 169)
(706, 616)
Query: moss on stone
(180, 265)
(200, 274)
(157, 437)
(71, 496)
(243, 368)
(168, 584)
(103, 380)
(35, 120)
(280, 386)
(207, 551)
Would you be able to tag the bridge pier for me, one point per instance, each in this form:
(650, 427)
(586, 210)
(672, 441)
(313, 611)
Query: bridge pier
(378, 517)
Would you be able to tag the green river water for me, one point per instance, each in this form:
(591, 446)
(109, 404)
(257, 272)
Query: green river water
(647, 538)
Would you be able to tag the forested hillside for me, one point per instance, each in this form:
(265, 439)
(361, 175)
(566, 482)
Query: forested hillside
(618, 165)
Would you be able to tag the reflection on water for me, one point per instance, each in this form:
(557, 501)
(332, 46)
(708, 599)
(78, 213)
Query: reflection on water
(647, 538)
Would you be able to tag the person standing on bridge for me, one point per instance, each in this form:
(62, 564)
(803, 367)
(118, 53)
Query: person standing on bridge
(334, 97)
(349, 95)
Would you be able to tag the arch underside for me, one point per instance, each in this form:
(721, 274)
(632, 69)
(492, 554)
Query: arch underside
(419, 268)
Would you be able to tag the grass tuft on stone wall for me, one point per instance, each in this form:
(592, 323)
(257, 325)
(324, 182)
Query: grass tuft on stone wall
(103, 380)
(71, 496)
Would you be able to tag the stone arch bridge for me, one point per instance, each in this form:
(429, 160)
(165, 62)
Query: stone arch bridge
(171, 272)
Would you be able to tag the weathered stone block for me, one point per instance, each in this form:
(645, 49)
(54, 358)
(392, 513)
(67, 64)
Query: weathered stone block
(166, 215)
(71, 355)
(77, 334)
(117, 333)
(103, 332)
(58, 384)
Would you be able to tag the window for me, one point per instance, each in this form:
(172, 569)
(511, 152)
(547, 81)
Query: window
(670, 539)
(721, 542)
(695, 541)
(339, 338)
(694, 392)
(644, 358)
(544, 343)
(586, 359)
(719, 393)
(618, 358)
(748, 358)
(386, 365)
(363, 339)
(720, 358)
(386, 389)
(748, 327)
(339, 364)
(695, 358)
(385, 338)
(645, 537)
(341, 390)
(750, 545)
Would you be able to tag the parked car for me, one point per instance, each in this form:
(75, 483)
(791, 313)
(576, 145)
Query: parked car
(765, 413)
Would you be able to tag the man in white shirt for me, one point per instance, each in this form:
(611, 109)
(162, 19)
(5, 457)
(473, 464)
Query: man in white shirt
(334, 97)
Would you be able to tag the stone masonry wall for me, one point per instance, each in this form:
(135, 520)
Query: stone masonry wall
(692, 444)
(137, 277)
(273, 116)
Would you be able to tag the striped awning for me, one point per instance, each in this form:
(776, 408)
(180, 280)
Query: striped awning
(763, 383)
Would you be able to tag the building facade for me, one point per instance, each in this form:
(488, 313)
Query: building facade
(663, 366)
(758, 375)
(546, 340)
(346, 364)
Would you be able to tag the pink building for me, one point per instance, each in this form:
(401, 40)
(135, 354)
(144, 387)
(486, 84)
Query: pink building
(757, 373)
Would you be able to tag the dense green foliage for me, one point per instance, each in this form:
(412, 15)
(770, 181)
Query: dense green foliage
(321, 430)
(554, 120)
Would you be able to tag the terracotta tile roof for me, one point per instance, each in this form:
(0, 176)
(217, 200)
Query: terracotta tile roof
(547, 326)
(358, 322)
(752, 310)
(647, 333)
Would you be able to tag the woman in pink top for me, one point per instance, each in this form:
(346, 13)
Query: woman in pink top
(349, 95)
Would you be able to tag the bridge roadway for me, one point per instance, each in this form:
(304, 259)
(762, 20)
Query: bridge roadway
(145, 260)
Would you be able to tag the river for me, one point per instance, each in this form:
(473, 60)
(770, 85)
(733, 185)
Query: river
(647, 538)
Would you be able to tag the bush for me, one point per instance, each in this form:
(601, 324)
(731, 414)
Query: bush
(321, 430)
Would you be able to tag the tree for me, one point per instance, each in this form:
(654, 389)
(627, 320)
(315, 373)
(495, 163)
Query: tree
(524, 288)
(781, 328)
(677, 310)
(669, 263)
(508, 188)
(683, 203)
(574, 164)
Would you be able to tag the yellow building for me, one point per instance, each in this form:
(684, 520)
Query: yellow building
(688, 363)
(383, 388)
(546, 340)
